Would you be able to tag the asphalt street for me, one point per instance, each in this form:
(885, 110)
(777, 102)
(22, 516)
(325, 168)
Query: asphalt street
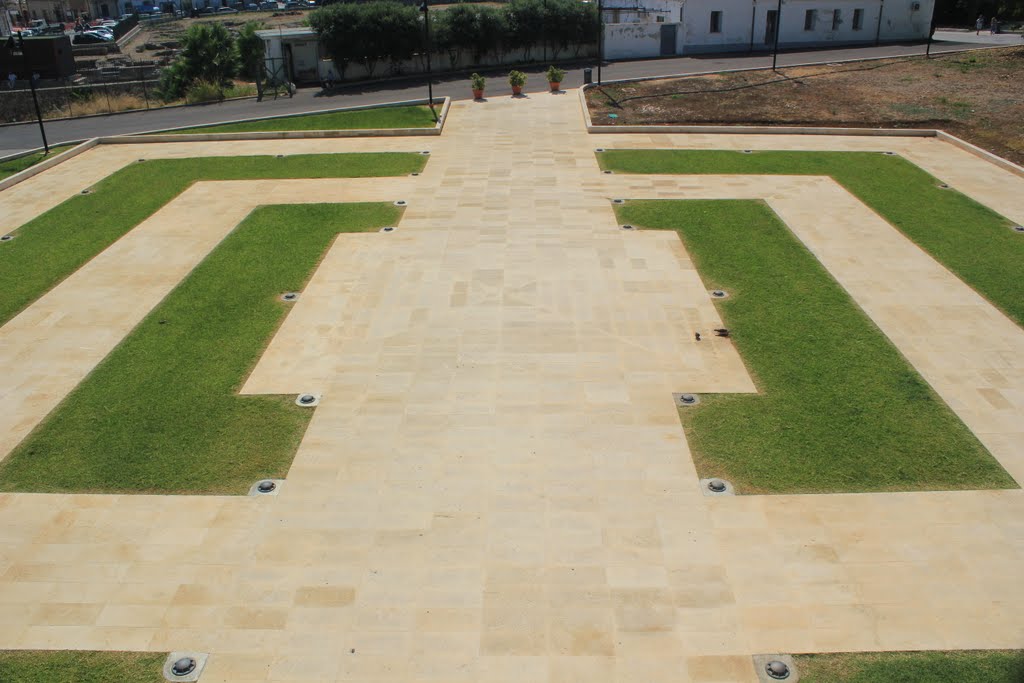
(21, 137)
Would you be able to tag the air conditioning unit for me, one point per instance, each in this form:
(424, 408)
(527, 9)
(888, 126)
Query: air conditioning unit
(915, 6)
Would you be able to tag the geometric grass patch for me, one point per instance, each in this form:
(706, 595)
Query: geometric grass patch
(162, 413)
(57, 243)
(962, 666)
(839, 409)
(63, 666)
(969, 239)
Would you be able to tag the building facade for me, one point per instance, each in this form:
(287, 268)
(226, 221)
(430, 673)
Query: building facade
(643, 28)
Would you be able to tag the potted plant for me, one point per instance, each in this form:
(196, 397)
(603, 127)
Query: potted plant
(517, 79)
(555, 76)
(478, 82)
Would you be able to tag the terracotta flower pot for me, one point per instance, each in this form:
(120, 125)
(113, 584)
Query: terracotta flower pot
(478, 94)
(517, 90)
(555, 85)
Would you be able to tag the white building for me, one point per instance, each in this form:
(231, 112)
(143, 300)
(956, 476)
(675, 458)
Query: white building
(658, 28)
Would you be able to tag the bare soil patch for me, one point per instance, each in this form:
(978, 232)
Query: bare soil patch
(974, 95)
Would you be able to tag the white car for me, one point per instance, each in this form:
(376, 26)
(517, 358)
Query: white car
(107, 37)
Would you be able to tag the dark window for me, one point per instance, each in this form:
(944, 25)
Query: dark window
(809, 19)
(836, 16)
(716, 22)
(858, 19)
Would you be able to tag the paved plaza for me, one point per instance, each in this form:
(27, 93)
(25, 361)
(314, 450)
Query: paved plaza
(495, 485)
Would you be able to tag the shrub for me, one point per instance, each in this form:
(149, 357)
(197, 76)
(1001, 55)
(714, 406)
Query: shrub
(555, 75)
(516, 78)
(478, 81)
(204, 91)
(207, 54)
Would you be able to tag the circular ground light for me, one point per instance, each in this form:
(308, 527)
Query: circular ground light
(607, 172)
(387, 229)
(6, 238)
(86, 192)
(943, 186)
(183, 666)
(280, 156)
(1018, 228)
(618, 201)
(401, 202)
(140, 160)
(719, 294)
(627, 227)
(414, 174)
(425, 152)
(266, 486)
(776, 669)
(889, 154)
(687, 399)
(599, 149)
(748, 151)
(717, 486)
(290, 296)
(307, 399)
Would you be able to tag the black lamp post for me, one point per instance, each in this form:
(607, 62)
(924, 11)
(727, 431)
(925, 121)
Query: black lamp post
(32, 77)
(778, 29)
(600, 39)
(425, 8)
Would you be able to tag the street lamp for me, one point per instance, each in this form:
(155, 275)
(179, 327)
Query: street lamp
(600, 39)
(425, 8)
(32, 78)
(778, 29)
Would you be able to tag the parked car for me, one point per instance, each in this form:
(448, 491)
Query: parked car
(227, 10)
(251, 7)
(268, 5)
(207, 10)
(89, 38)
(293, 4)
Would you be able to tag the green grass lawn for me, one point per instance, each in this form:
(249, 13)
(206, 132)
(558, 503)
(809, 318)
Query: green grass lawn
(969, 239)
(840, 409)
(62, 666)
(417, 116)
(966, 666)
(55, 244)
(161, 413)
(9, 168)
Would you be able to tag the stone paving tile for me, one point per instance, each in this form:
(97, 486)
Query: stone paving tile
(495, 486)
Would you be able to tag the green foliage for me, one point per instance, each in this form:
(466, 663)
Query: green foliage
(250, 51)
(368, 33)
(162, 412)
(516, 79)
(9, 168)
(71, 666)
(839, 408)
(478, 81)
(555, 75)
(207, 54)
(383, 30)
(963, 666)
(204, 91)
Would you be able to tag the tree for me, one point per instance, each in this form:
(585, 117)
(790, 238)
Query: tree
(250, 55)
(207, 54)
(525, 24)
(340, 32)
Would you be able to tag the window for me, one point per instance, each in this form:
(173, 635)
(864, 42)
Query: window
(809, 17)
(659, 19)
(858, 19)
(716, 22)
(836, 16)
(680, 15)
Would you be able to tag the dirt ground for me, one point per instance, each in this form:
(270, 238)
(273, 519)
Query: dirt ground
(159, 42)
(975, 95)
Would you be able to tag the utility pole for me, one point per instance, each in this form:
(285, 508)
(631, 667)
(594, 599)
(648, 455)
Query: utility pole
(600, 39)
(878, 31)
(425, 8)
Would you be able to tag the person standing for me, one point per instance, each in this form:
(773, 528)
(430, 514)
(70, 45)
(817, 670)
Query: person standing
(979, 24)
(994, 28)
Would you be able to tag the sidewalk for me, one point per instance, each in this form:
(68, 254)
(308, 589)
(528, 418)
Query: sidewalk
(25, 136)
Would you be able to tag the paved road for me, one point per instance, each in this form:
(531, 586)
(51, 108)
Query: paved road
(26, 136)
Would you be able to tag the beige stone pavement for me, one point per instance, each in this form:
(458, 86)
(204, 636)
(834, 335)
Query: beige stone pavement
(495, 486)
